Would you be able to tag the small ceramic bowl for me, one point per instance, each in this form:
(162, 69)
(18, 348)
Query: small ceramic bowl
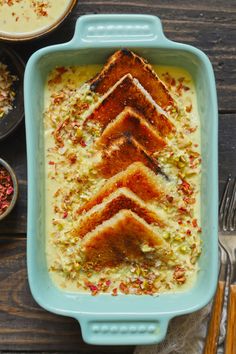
(40, 29)
(4, 164)
(16, 66)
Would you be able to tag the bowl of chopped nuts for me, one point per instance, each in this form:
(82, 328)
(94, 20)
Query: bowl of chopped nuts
(8, 189)
(11, 91)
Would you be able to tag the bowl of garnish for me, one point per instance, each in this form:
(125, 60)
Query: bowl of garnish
(8, 189)
(11, 91)
(24, 20)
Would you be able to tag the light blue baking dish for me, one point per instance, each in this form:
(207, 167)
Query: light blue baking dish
(125, 319)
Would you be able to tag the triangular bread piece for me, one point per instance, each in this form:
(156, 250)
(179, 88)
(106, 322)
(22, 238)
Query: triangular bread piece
(138, 178)
(122, 153)
(121, 239)
(129, 92)
(122, 198)
(123, 62)
(131, 122)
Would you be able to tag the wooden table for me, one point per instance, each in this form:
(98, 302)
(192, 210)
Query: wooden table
(209, 25)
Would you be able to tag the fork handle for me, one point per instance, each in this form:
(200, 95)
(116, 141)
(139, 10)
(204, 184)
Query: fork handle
(214, 324)
(230, 342)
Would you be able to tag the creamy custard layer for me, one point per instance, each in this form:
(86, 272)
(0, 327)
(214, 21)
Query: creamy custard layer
(25, 16)
(71, 180)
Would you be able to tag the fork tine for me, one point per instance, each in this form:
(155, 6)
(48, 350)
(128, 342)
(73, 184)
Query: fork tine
(224, 205)
(231, 211)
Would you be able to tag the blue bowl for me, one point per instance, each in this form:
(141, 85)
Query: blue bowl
(125, 319)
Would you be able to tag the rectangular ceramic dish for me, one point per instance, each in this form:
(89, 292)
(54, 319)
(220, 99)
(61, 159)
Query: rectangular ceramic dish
(125, 319)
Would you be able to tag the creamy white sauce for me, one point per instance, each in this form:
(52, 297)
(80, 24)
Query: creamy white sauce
(58, 226)
(22, 17)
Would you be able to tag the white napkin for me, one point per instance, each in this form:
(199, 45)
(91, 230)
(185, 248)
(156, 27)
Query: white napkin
(186, 334)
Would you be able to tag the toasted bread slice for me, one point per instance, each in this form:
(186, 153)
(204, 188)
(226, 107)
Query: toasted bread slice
(124, 62)
(122, 198)
(121, 239)
(138, 178)
(129, 92)
(122, 153)
(131, 122)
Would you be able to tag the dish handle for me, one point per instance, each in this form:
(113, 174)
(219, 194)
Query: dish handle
(107, 30)
(128, 329)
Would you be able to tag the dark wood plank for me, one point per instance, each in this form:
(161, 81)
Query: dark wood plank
(227, 148)
(210, 26)
(24, 326)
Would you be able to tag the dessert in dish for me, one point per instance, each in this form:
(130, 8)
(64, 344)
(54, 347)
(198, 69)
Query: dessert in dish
(129, 92)
(136, 175)
(122, 198)
(122, 153)
(125, 62)
(122, 236)
(134, 125)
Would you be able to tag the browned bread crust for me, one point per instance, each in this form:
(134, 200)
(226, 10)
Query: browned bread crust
(120, 239)
(122, 153)
(131, 122)
(122, 198)
(138, 178)
(124, 62)
(128, 92)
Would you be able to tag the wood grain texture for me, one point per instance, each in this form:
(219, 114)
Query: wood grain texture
(23, 324)
(230, 341)
(214, 324)
(227, 148)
